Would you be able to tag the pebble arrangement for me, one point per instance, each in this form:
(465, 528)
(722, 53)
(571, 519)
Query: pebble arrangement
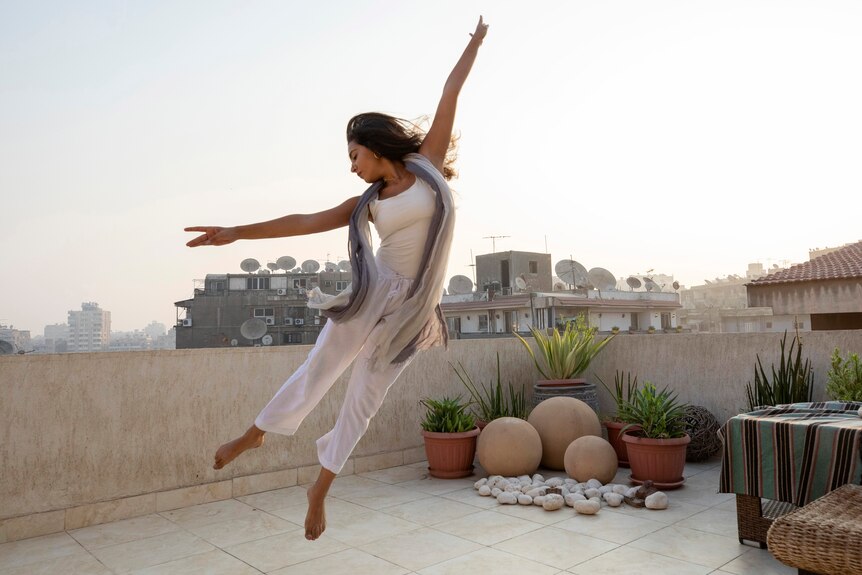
(556, 492)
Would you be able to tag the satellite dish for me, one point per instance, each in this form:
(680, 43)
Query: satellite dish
(602, 279)
(272, 266)
(651, 285)
(559, 286)
(296, 270)
(249, 265)
(330, 266)
(460, 285)
(675, 285)
(253, 328)
(344, 266)
(234, 342)
(267, 340)
(633, 282)
(571, 272)
(310, 266)
(520, 283)
(263, 272)
(285, 263)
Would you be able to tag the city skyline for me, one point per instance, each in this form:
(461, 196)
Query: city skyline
(692, 139)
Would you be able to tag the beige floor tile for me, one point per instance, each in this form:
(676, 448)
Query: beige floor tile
(708, 496)
(351, 484)
(430, 510)
(74, 564)
(135, 555)
(757, 562)
(556, 547)
(283, 550)
(46, 547)
(435, 486)
(712, 521)
(676, 511)
(490, 561)
(383, 496)
(487, 527)
(371, 526)
(536, 513)
(729, 505)
(630, 561)
(335, 509)
(215, 562)
(206, 513)
(256, 525)
(349, 562)
(396, 474)
(613, 527)
(123, 531)
(276, 499)
(704, 480)
(420, 548)
(471, 497)
(692, 546)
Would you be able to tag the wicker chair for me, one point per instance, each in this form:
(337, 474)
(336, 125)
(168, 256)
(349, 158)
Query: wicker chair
(824, 536)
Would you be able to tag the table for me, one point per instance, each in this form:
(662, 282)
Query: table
(789, 453)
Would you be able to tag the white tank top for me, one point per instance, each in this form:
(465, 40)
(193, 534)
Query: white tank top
(402, 223)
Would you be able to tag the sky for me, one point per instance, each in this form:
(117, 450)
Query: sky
(686, 137)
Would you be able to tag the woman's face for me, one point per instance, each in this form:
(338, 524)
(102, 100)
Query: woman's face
(363, 163)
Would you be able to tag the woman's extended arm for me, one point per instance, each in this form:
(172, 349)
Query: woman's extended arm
(292, 225)
(436, 142)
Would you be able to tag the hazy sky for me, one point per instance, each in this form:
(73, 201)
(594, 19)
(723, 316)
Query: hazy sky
(686, 137)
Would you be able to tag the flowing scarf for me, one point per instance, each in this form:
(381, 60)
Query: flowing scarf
(418, 323)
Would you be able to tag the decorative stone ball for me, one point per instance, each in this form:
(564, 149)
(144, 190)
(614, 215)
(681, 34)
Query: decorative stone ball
(591, 457)
(702, 427)
(560, 421)
(509, 446)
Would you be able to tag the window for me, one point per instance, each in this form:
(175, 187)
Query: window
(341, 285)
(327, 283)
(300, 283)
(483, 323)
(257, 283)
(769, 325)
(534, 267)
(292, 337)
(634, 324)
(264, 312)
(665, 321)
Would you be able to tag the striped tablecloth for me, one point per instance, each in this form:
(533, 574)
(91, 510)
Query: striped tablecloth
(793, 453)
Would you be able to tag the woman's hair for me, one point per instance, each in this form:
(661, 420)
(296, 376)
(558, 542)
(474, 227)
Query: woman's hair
(394, 138)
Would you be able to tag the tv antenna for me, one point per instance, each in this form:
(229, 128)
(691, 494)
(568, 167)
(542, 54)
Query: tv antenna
(494, 241)
(472, 264)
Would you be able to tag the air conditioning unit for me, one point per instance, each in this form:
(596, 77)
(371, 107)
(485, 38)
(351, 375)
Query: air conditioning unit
(288, 321)
(298, 321)
(269, 320)
(281, 291)
(187, 322)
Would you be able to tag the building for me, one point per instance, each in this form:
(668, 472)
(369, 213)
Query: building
(89, 328)
(56, 338)
(215, 316)
(14, 340)
(824, 292)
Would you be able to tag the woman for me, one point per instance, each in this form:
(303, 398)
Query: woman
(391, 309)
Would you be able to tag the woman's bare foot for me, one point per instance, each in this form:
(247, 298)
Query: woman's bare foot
(251, 439)
(315, 519)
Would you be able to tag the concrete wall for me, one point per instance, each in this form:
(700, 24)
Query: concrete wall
(827, 296)
(76, 429)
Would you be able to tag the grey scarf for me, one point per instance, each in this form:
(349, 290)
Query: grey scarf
(419, 322)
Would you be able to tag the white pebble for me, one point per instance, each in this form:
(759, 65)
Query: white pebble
(571, 498)
(590, 493)
(632, 491)
(484, 491)
(480, 483)
(538, 478)
(553, 502)
(537, 491)
(606, 489)
(496, 491)
(507, 498)
(540, 500)
(570, 481)
(523, 478)
(525, 499)
(587, 507)
(621, 489)
(554, 482)
(613, 499)
(594, 483)
(657, 500)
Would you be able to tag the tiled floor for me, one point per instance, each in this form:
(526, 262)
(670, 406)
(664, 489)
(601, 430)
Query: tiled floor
(400, 521)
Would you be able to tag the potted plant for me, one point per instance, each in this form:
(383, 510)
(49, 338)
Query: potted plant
(450, 437)
(565, 356)
(792, 382)
(651, 329)
(492, 402)
(615, 330)
(625, 388)
(845, 377)
(657, 450)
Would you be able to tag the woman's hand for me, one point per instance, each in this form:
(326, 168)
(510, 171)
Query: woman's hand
(481, 30)
(212, 236)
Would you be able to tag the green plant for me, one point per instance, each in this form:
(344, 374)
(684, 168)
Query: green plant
(447, 415)
(566, 355)
(792, 382)
(845, 378)
(658, 413)
(491, 400)
(624, 389)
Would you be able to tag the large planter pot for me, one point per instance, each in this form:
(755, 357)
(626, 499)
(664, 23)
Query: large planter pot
(615, 438)
(660, 460)
(578, 388)
(450, 455)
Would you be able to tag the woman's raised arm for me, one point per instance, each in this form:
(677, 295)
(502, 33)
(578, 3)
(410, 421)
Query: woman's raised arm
(292, 225)
(436, 142)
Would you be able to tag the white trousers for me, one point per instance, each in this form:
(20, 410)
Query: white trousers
(337, 345)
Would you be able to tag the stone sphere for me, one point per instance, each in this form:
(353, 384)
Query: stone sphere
(560, 421)
(591, 457)
(510, 447)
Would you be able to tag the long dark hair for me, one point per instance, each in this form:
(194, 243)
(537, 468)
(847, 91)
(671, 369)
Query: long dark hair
(394, 138)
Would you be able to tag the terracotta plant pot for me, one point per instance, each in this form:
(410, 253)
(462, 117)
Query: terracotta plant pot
(615, 438)
(450, 455)
(660, 460)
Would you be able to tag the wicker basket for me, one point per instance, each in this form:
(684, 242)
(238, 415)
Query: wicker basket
(824, 536)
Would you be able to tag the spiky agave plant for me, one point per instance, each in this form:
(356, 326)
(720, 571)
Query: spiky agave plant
(565, 355)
